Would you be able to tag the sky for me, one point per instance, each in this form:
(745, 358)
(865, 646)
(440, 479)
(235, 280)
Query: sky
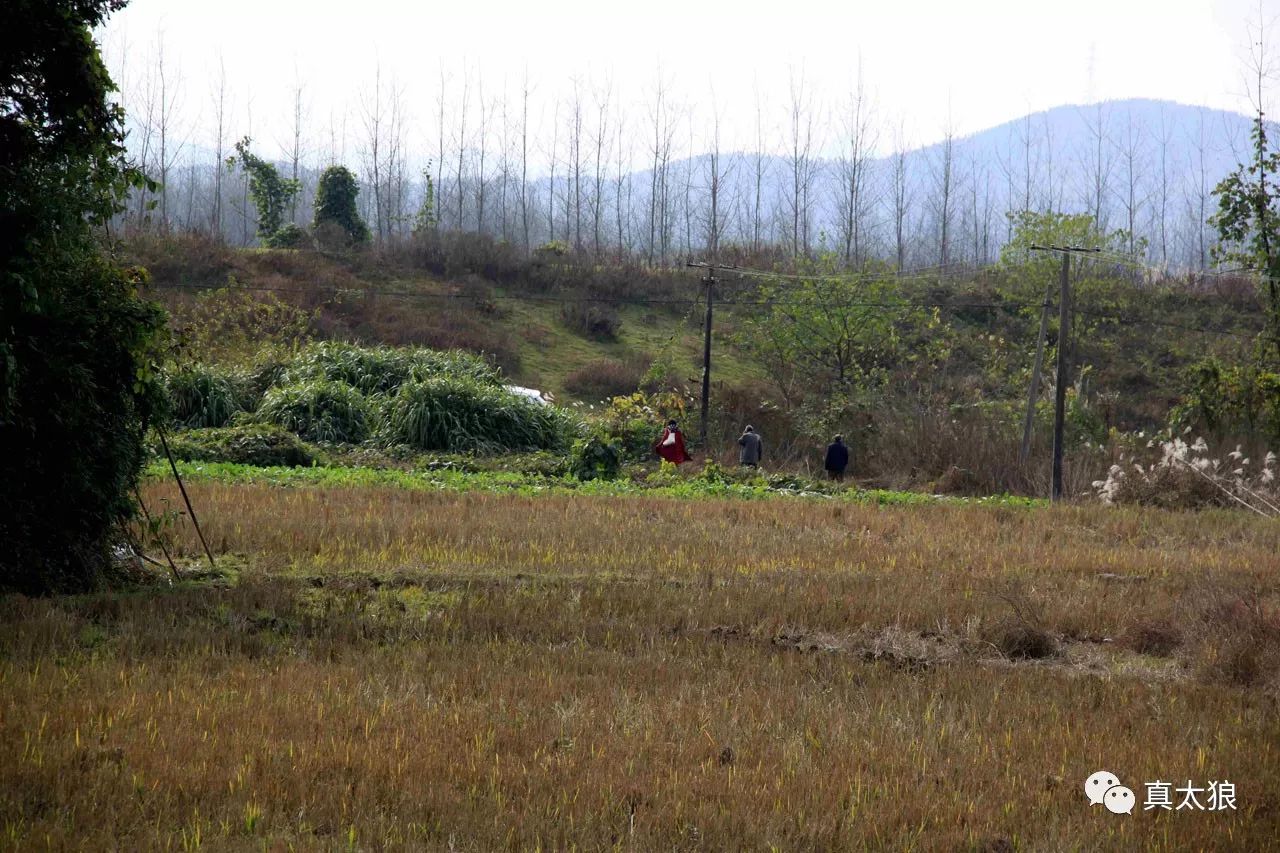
(925, 65)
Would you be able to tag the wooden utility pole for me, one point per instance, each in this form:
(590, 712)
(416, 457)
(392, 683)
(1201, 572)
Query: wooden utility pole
(1063, 362)
(1060, 391)
(710, 282)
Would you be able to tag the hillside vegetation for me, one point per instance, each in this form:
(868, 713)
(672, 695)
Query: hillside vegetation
(933, 369)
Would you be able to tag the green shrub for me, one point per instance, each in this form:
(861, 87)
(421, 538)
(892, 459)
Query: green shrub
(596, 458)
(458, 414)
(319, 410)
(382, 370)
(201, 396)
(251, 444)
(291, 236)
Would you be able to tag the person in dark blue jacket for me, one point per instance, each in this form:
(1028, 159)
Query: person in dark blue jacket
(837, 458)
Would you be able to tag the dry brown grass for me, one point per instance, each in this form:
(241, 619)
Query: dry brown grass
(427, 670)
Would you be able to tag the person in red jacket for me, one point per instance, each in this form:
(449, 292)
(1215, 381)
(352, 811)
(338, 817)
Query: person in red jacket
(671, 446)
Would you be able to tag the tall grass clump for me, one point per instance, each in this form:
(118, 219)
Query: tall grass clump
(460, 414)
(202, 396)
(382, 370)
(319, 410)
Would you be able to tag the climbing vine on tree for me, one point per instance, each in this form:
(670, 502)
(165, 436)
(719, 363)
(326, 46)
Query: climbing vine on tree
(271, 193)
(335, 204)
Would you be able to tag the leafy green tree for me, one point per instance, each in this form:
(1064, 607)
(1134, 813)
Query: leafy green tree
(335, 204)
(826, 331)
(271, 193)
(1248, 218)
(78, 346)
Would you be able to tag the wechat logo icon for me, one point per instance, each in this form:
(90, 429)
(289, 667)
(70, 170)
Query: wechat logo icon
(1104, 788)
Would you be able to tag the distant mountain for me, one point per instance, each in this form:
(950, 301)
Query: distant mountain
(1154, 163)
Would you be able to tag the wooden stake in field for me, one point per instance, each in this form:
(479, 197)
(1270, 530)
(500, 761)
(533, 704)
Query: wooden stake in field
(185, 499)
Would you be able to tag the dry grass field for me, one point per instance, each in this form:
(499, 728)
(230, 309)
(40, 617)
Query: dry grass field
(385, 669)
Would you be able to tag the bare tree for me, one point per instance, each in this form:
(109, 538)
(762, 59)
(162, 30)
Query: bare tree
(504, 168)
(167, 121)
(623, 184)
(441, 206)
(482, 179)
(1098, 162)
(761, 167)
(1196, 194)
(854, 165)
(524, 159)
(601, 141)
(661, 152)
(1131, 192)
(374, 118)
(1051, 199)
(943, 199)
(296, 151)
(383, 117)
(220, 107)
(901, 198)
(801, 147)
(717, 174)
(575, 163)
(1162, 187)
(462, 142)
(551, 183)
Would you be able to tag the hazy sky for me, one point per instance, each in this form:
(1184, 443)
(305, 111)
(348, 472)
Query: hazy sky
(980, 62)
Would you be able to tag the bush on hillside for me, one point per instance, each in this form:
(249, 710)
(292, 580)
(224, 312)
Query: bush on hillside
(596, 458)
(250, 444)
(202, 396)
(382, 370)
(604, 378)
(318, 410)
(458, 414)
(291, 236)
(598, 322)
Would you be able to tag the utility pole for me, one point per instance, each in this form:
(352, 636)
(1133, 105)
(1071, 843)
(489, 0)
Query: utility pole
(1060, 391)
(1063, 366)
(710, 282)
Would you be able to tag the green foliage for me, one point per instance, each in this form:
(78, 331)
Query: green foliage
(335, 205)
(249, 444)
(1248, 218)
(382, 370)
(202, 396)
(634, 422)
(234, 322)
(426, 219)
(78, 346)
(458, 414)
(318, 410)
(271, 193)
(291, 236)
(1221, 400)
(595, 458)
(828, 331)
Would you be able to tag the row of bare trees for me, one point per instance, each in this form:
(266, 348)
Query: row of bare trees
(647, 177)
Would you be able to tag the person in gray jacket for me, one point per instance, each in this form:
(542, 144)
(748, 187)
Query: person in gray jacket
(752, 447)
